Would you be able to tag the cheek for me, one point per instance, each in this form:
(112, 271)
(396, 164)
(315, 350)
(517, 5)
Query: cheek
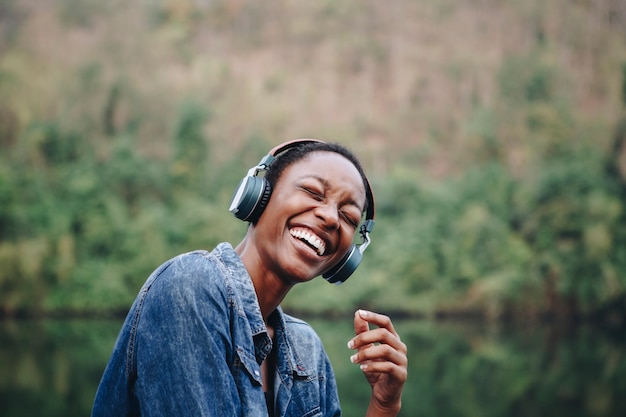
(347, 239)
(275, 215)
(272, 208)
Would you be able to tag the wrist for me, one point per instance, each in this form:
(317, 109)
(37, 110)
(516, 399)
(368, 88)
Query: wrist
(377, 409)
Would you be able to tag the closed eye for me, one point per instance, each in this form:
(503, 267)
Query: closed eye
(313, 193)
(350, 216)
(350, 219)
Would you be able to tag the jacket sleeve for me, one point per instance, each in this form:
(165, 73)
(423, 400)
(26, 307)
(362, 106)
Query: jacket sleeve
(182, 345)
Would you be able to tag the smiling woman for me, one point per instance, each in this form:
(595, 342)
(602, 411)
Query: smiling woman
(209, 325)
(253, 193)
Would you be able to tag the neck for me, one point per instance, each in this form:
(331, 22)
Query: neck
(269, 298)
(270, 289)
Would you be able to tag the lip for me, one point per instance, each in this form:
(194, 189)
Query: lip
(328, 248)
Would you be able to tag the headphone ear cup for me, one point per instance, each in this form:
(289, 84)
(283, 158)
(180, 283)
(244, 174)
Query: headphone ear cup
(250, 198)
(262, 203)
(339, 273)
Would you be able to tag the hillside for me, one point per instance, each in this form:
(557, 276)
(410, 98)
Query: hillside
(488, 128)
(400, 80)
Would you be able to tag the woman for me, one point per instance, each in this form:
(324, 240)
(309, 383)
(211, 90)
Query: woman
(206, 335)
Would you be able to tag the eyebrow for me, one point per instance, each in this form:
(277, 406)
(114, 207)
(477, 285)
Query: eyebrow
(325, 183)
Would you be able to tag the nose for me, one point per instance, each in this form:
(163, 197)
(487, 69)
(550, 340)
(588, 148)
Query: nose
(329, 214)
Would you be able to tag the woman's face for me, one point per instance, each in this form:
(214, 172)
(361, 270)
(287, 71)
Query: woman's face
(311, 217)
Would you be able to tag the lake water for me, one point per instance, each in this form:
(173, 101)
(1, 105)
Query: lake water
(456, 369)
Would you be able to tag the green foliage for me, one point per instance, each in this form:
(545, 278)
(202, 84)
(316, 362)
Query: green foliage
(8, 197)
(569, 221)
(528, 79)
(86, 232)
(190, 147)
(516, 205)
(624, 84)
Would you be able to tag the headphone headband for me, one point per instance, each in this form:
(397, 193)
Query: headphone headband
(291, 144)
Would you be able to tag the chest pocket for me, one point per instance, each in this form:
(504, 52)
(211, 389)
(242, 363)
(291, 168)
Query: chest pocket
(305, 398)
(246, 364)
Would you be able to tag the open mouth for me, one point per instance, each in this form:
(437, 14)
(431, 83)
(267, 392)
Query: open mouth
(310, 239)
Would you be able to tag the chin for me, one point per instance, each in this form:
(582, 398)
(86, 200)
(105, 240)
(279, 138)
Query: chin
(299, 276)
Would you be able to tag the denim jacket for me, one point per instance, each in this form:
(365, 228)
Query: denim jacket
(193, 342)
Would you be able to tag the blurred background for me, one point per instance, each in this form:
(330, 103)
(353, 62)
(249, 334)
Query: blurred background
(493, 132)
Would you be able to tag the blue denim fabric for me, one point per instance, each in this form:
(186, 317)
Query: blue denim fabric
(192, 345)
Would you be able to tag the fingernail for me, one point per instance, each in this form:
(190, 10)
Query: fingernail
(363, 313)
(363, 367)
(350, 344)
(353, 358)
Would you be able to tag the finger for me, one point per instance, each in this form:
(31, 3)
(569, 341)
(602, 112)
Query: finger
(397, 372)
(379, 320)
(385, 333)
(381, 353)
(360, 324)
(377, 336)
(360, 327)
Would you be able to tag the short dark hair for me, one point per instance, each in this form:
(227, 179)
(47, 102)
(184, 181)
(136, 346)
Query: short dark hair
(298, 153)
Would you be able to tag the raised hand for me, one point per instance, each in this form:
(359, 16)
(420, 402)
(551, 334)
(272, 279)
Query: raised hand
(382, 357)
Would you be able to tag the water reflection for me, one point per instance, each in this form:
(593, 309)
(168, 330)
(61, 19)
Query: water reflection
(472, 369)
(52, 368)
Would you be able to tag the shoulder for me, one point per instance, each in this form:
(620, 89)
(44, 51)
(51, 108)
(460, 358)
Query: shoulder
(191, 266)
(190, 290)
(296, 323)
(189, 276)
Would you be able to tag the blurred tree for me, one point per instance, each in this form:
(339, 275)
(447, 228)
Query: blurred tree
(191, 148)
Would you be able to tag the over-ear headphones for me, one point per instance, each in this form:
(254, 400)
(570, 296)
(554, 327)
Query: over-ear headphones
(253, 193)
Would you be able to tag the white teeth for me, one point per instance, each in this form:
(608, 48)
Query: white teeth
(313, 240)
